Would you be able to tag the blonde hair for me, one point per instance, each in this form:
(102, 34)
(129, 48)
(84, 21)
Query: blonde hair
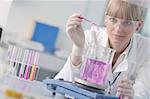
(124, 10)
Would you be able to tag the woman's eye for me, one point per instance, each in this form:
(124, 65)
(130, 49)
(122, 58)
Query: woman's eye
(127, 23)
(113, 20)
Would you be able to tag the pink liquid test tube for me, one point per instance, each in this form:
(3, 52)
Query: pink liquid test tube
(120, 97)
(26, 76)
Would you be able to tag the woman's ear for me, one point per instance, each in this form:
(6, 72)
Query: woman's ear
(139, 26)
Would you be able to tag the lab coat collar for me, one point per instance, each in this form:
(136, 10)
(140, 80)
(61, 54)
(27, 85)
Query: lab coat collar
(130, 59)
(127, 63)
(132, 51)
(127, 50)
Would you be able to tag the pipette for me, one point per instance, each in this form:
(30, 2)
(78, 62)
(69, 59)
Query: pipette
(89, 21)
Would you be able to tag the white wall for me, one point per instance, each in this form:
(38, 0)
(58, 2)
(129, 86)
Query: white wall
(5, 6)
(146, 29)
(55, 12)
(4, 10)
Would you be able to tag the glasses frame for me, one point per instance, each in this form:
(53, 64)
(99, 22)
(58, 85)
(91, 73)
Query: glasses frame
(125, 23)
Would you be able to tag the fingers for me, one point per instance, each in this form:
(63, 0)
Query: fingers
(125, 88)
(78, 15)
(74, 21)
(127, 81)
(124, 91)
(125, 84)
(75, 30)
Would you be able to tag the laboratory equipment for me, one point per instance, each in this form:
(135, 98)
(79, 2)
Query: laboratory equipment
(23, 62)
(74, 90)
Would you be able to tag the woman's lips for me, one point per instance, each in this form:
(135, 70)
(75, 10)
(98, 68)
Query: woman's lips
(115, 35)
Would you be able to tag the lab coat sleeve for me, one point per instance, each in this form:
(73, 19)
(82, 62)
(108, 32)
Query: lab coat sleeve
(142, 82)
(68, 71)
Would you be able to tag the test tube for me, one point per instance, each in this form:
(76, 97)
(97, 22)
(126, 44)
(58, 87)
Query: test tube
(9, 52)
(17, 53)
(12, 59)
(36, 72)
(35, 68)
(28, 66)
(19, 61)
(23, 63)
(89, 21)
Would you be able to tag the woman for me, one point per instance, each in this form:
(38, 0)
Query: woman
(122, 21)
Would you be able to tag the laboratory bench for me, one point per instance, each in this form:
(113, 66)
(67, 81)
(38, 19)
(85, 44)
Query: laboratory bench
(13, 87)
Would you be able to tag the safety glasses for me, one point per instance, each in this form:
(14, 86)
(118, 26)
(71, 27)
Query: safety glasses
(125, 23)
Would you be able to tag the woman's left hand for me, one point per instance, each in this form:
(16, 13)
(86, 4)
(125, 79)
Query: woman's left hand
(125, 89)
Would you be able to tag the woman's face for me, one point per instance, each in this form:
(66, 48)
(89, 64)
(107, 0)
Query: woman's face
(120, 30)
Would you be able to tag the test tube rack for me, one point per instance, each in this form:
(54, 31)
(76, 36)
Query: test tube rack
(23, 62)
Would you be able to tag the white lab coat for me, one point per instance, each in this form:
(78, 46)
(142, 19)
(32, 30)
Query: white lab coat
(134, 63)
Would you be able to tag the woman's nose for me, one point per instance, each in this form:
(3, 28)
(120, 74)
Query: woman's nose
(118, 27)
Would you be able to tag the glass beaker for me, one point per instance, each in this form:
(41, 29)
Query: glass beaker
(96, 64)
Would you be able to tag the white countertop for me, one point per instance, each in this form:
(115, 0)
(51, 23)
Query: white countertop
(32, 89)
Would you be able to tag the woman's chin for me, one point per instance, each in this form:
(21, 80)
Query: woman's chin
(117, 41)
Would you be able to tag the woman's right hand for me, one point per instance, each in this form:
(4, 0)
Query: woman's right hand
(75, 30)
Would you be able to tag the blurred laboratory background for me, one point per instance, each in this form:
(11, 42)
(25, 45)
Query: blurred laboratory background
(40, 25)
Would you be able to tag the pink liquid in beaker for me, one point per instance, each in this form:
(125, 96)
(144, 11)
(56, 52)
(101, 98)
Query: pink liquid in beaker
(95, 71)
